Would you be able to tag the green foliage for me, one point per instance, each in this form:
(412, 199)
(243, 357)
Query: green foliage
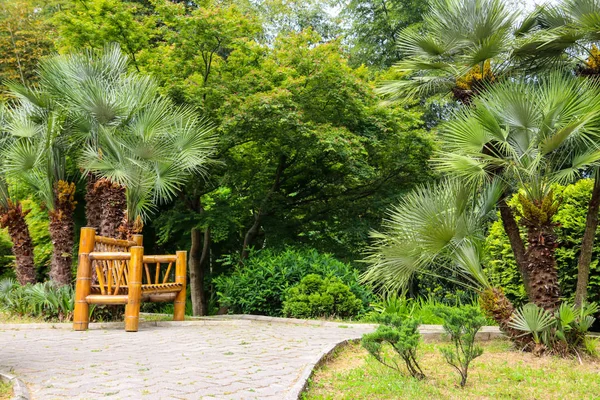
(403, 335)
(462, 325)
(562, 331)
(316, 297)
(260, 283)
(42, 300)
(570, 225)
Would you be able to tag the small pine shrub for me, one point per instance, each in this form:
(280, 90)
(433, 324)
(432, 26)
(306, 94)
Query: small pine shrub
(403, 336)
(461, 324)
(316, 297)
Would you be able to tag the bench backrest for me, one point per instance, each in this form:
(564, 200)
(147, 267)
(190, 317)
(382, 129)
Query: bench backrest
(109, 262)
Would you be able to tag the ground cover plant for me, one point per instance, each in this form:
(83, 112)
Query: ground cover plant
(500, 372)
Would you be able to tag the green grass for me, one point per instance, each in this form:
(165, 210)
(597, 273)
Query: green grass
(6, 391)
(500, 373)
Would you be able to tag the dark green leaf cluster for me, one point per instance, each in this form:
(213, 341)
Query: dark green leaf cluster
(316, 297)
(259, 285)
(403, 335)
(462, 325)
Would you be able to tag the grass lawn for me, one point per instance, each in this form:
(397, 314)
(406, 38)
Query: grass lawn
(500, 373)
(5, 390)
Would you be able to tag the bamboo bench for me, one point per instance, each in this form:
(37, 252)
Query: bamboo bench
(126, 276)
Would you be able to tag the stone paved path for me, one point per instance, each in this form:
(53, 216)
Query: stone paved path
(243, 360)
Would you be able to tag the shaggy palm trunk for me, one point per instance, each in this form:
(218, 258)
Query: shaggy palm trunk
(13, 218)
(62, 229)
(93, 202)
(541, 266)
(541, 244)
(128, 228)
(114, 204)
(498, 307)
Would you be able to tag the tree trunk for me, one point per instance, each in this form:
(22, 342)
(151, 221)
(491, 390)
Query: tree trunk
(197, 267)
(114, 204)
(251, 235)
(497, 306)
(587, 244)
(13, 218)
(541, 265)
(516, 243)
(62, 229)
(93, 202)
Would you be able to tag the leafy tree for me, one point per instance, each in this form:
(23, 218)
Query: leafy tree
(376, 26)
(25, 37)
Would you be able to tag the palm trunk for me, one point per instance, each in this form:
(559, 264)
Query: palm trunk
(62, 229)
(541, 245)
(497, 306)
(114, 204)
(93, 202)
(13, 218)
(587, 244)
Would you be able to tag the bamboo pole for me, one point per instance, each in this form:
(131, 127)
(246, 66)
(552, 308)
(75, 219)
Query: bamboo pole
(117, 255)
(83, 286)
(180, 277)
(102, 299)
(115, 242)
(138, 240)
(132, 309)
(160, 259)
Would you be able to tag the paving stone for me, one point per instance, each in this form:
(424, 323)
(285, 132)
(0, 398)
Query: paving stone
(257, 360)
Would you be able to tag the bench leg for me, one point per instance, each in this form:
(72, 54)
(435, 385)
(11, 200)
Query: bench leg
(83, 286)
(180, 277)
(134, 297)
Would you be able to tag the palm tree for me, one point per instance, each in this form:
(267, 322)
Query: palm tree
(151, 157)
(101, 97)
(439, 230)
(529, 134)
(567, 34)
(35, 155)
(138, 147)
(461, 46)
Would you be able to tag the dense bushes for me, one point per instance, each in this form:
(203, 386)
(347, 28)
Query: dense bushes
(259, 285)
(316, 297)
(570, 220)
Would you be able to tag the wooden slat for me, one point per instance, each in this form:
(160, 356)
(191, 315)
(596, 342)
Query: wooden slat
(101, 299)
(160, 259)
(167, 273)
(120, 277)
(109, 256)
(109, 275)
(148, 280)
(100, 276)
(168, 287)
(159, 297)
(157, 275)
(115, 242)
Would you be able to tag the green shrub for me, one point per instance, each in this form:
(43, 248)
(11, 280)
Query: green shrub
(570, 220)
(42, 300)
(259, 285)
(316, 297)
(562, 332)
(403, 336)
(462, 325)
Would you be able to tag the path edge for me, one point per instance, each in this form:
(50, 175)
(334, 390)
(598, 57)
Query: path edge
(20, 391)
